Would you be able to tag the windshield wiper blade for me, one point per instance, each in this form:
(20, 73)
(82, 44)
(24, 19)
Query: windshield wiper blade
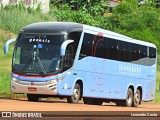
(39, 61)
(41, 65)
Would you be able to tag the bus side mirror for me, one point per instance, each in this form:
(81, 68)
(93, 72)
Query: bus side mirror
(6, 46)
(64, 46)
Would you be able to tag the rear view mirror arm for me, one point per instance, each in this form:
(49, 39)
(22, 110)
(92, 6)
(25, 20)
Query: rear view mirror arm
(64, 46)
(6, 46)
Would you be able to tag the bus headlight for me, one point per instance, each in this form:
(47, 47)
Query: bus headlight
(56, 80)
(14, 79)
(59, 79)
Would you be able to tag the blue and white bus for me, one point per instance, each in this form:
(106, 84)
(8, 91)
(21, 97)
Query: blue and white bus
(77, 61)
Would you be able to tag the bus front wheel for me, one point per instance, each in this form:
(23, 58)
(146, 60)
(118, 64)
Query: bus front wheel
(76, 94)
(129, 98)
(33, 97)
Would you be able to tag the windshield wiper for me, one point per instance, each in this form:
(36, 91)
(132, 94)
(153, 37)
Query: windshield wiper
(41, 65)
(26, 65)
(40, 62)
(29, 62)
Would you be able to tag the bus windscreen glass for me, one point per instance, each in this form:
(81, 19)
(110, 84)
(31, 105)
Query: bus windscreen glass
(37, 54)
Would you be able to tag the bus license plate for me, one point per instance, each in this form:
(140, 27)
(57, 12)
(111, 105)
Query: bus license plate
(32, 89)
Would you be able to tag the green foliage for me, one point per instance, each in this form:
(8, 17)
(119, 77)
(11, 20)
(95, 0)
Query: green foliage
(140, 23)
(18, 16)
(92, 7)
(157, 93)
(158, 65)
(128, 18)
(5, 63)
(124, 8)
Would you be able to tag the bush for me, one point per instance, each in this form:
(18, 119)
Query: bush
(92, 7)
(14, 18)
(142, 23)
(138, 22)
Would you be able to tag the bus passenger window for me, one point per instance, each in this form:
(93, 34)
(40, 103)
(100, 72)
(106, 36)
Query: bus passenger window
(124, 51)
(112, 48)
(144, 56)
(100, 47)
(152, 56)
(134, 53)
(86, 49)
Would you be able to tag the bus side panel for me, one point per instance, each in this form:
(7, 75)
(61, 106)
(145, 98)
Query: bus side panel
(149, 90)
(110, 88)
(126, 84)
(111, 79)
(97, 83)
(65, 87)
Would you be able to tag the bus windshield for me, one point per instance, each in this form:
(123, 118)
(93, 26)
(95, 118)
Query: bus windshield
(37, 54)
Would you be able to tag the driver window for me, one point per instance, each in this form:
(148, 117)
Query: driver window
(71, 49)
(68, 59)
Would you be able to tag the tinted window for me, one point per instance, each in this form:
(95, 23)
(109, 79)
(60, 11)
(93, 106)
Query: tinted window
(112, 49)
(68, 58)
(86, 49)
(93, 45)
(76, 37)
(152, 56)
(144, 59)
(99, 47)
(134, 53)
(124, 51)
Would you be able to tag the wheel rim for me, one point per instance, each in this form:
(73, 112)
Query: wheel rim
(129, 98)
(76, 94)
(137, 98)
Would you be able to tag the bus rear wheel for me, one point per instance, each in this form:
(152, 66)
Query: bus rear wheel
(33, 97)
(76, 94)
(128, 101)
(92, 101)
(136, 99)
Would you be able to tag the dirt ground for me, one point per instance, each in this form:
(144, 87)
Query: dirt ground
(59, 109)
(62, 105)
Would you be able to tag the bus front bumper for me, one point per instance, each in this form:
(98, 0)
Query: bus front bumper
(44, 88)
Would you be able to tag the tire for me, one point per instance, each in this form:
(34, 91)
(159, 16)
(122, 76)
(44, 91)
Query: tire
(33, 97)
(129, 98)
(76, 94)
(136, 99)
(128, 101)
(92, 101)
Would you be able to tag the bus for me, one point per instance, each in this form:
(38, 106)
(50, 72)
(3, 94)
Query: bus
(74, 61)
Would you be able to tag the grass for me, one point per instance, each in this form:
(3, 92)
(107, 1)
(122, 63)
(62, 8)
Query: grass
(157, 93)
(5, 63)
(14, 19)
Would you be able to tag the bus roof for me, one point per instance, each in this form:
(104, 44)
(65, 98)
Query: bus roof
(59, 27)
(51, 27)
